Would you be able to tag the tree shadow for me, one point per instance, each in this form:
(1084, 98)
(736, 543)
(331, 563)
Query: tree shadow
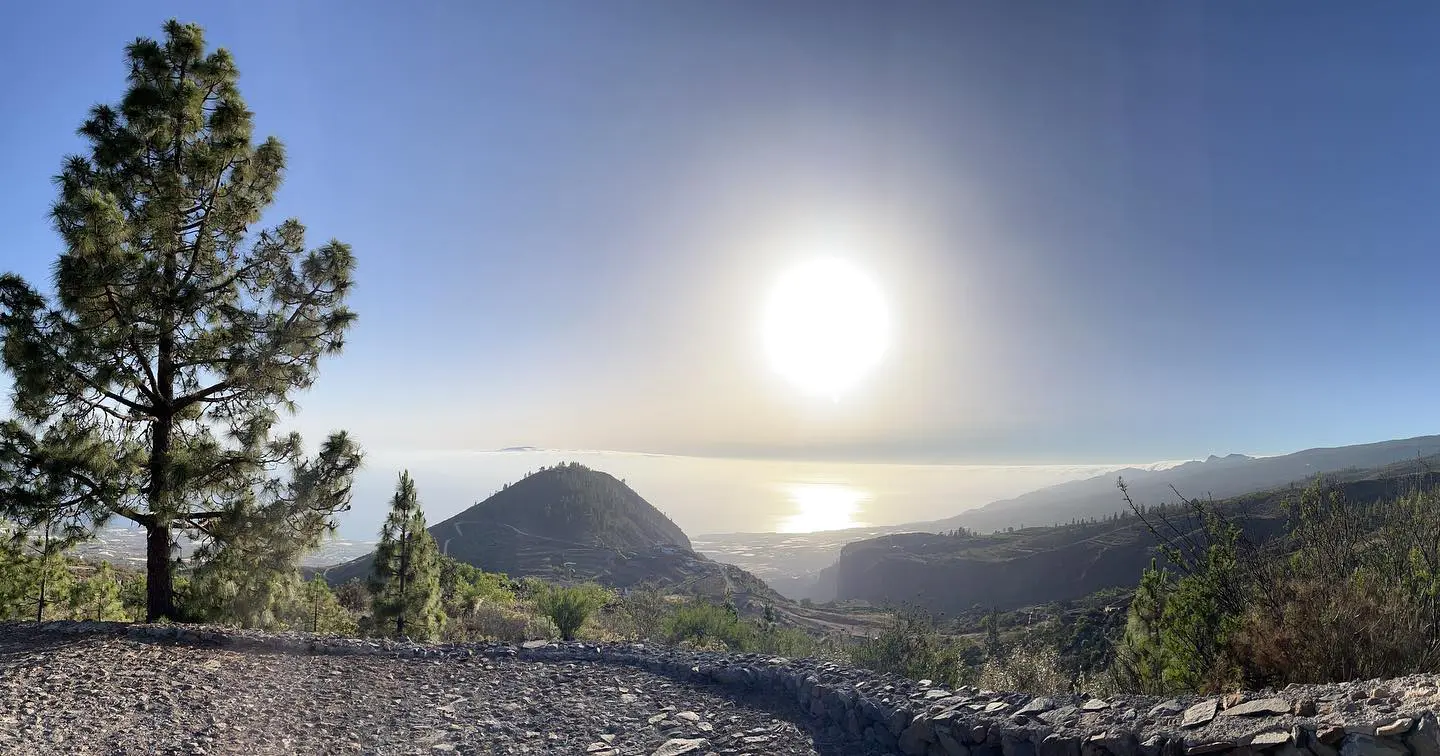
(18, 640)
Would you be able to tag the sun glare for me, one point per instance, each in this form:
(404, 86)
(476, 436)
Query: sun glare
(826, 326)
(822, 506)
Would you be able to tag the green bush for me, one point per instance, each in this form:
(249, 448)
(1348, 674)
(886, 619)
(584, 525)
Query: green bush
(569, 607)
(785, 641)
(642, 614)
(1351, 590)
(911, 645)
(700, 622)
(315, 609)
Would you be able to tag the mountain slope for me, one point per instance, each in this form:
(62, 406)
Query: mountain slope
(568, 505)
(1220, 477)
(573, 523)
(1042, 564)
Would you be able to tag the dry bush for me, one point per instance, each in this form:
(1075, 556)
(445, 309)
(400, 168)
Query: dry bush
(1351, 591)
(1357, 596)
(1035, 669)
(508, 624)
(640, 615)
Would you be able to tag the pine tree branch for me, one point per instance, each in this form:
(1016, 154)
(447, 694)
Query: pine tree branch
(99, 405)
(208, 394)
(210, 362)
(150, 391)
(120, 509)
(230, 280)
(91, 383)
(207, 206)
(191, 523)
(205, 395)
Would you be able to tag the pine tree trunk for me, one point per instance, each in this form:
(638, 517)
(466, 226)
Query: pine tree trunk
(159, 588)
(44, 573)
(159, 583)
(404, 573)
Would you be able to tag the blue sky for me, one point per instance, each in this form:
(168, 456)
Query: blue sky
(1110, 231)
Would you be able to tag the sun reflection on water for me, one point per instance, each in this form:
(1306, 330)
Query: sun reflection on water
(822, 506)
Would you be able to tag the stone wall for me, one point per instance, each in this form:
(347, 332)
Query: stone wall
(897, 715)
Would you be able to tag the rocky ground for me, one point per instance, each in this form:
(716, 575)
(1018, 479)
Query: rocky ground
(102, 688)
(106, 693)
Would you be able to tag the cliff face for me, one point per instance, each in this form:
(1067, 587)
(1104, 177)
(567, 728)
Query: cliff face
(940, 574)
(880, 574)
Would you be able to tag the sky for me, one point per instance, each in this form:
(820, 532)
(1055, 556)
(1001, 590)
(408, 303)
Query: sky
(1105, 231)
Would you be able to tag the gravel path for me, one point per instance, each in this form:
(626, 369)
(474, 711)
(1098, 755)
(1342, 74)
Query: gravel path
(102, 694)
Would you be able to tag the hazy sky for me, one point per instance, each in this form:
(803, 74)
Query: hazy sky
(1107, 231)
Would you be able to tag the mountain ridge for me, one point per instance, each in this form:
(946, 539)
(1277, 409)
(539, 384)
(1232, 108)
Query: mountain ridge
(803, 565)
(570, 523)
(1222, 477)
(1009, 569)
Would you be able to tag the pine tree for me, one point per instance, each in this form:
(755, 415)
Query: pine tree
(132, 596)
(319, 611)
(1141, 660)
(405, 579)
(49, 579)
(151, 386)
(34, 577)
(14, 574)
(97, 597)
(994, 644)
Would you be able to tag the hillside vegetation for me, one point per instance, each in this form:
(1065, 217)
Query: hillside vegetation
(960, 569)
(1344, 585)
(1218, 477)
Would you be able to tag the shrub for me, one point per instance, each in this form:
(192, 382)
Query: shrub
(1357, 595)
(642, 614)
(1027, 667)
(498, 622)
(699, 622)
(464, 587)
(911, 645)
(1352, 590)
(785, 641)
(569, 607)
(316, 609)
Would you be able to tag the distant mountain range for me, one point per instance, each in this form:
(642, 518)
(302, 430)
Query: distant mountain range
(571, 522)
(800, 565)
(1220, 477)
(1034, 565)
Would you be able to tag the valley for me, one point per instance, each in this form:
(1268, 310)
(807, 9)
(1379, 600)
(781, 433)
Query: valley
(573, 523)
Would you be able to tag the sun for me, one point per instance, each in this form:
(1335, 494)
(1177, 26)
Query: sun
(822, 506)
(825, 326)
